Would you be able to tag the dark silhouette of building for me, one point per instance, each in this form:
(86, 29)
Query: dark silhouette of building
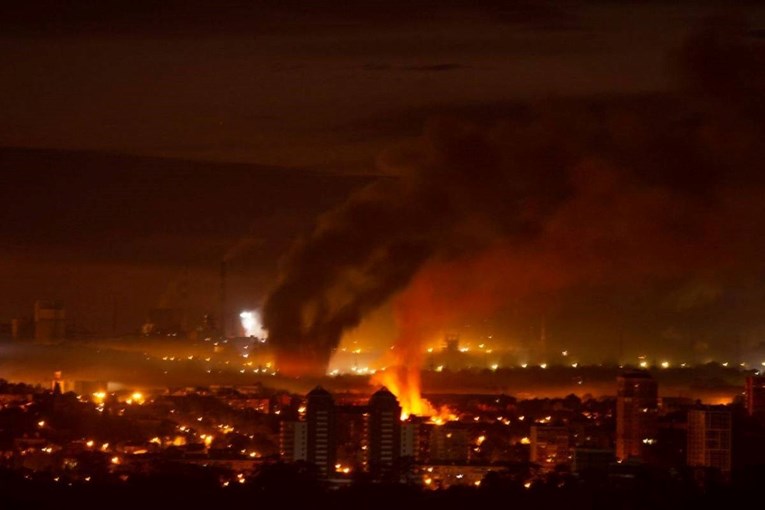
(383, 433)
(449, 443)
(22, 329)
(57, 384)
(671, 450)
(709, 439)
(550, 446)
(591, 460)
(50, 320)
(755, 395)
(164, 322)
(351, 426)
(321, 437)
(636, 414)
(452, 343)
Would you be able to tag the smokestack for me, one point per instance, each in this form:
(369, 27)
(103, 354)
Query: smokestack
(223, 310)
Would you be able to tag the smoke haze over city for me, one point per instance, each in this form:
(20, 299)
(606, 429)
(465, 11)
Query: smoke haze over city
(361, 172)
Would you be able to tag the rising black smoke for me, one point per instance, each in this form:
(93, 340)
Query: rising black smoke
(369, 248)
(681, 156)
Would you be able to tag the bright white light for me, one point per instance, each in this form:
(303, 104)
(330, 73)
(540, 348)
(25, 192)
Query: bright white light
(251, 324)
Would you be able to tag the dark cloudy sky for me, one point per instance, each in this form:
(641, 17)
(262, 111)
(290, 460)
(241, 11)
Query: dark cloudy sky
(144, 140)
(308, 83)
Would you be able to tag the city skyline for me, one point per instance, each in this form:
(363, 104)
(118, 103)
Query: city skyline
(377, 253)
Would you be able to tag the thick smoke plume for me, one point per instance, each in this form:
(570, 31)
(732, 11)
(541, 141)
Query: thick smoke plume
(571, 192)
(369, 249)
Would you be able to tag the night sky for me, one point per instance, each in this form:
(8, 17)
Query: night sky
(466, 166)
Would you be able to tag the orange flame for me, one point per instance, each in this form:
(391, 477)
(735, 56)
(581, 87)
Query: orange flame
(402, 377)
(404, 382)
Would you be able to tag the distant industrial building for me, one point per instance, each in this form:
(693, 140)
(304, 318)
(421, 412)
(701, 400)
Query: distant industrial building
(709, 439)
(636, 414)
(59, 385)
(451, 357)
(50, 320)
(550, 446)
(383, 432)
(164, 322)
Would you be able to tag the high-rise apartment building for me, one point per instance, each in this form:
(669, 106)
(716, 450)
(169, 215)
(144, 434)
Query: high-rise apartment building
(755, 394)
(636, 414)
(709, 438)
(321, 434)
(383, 432)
